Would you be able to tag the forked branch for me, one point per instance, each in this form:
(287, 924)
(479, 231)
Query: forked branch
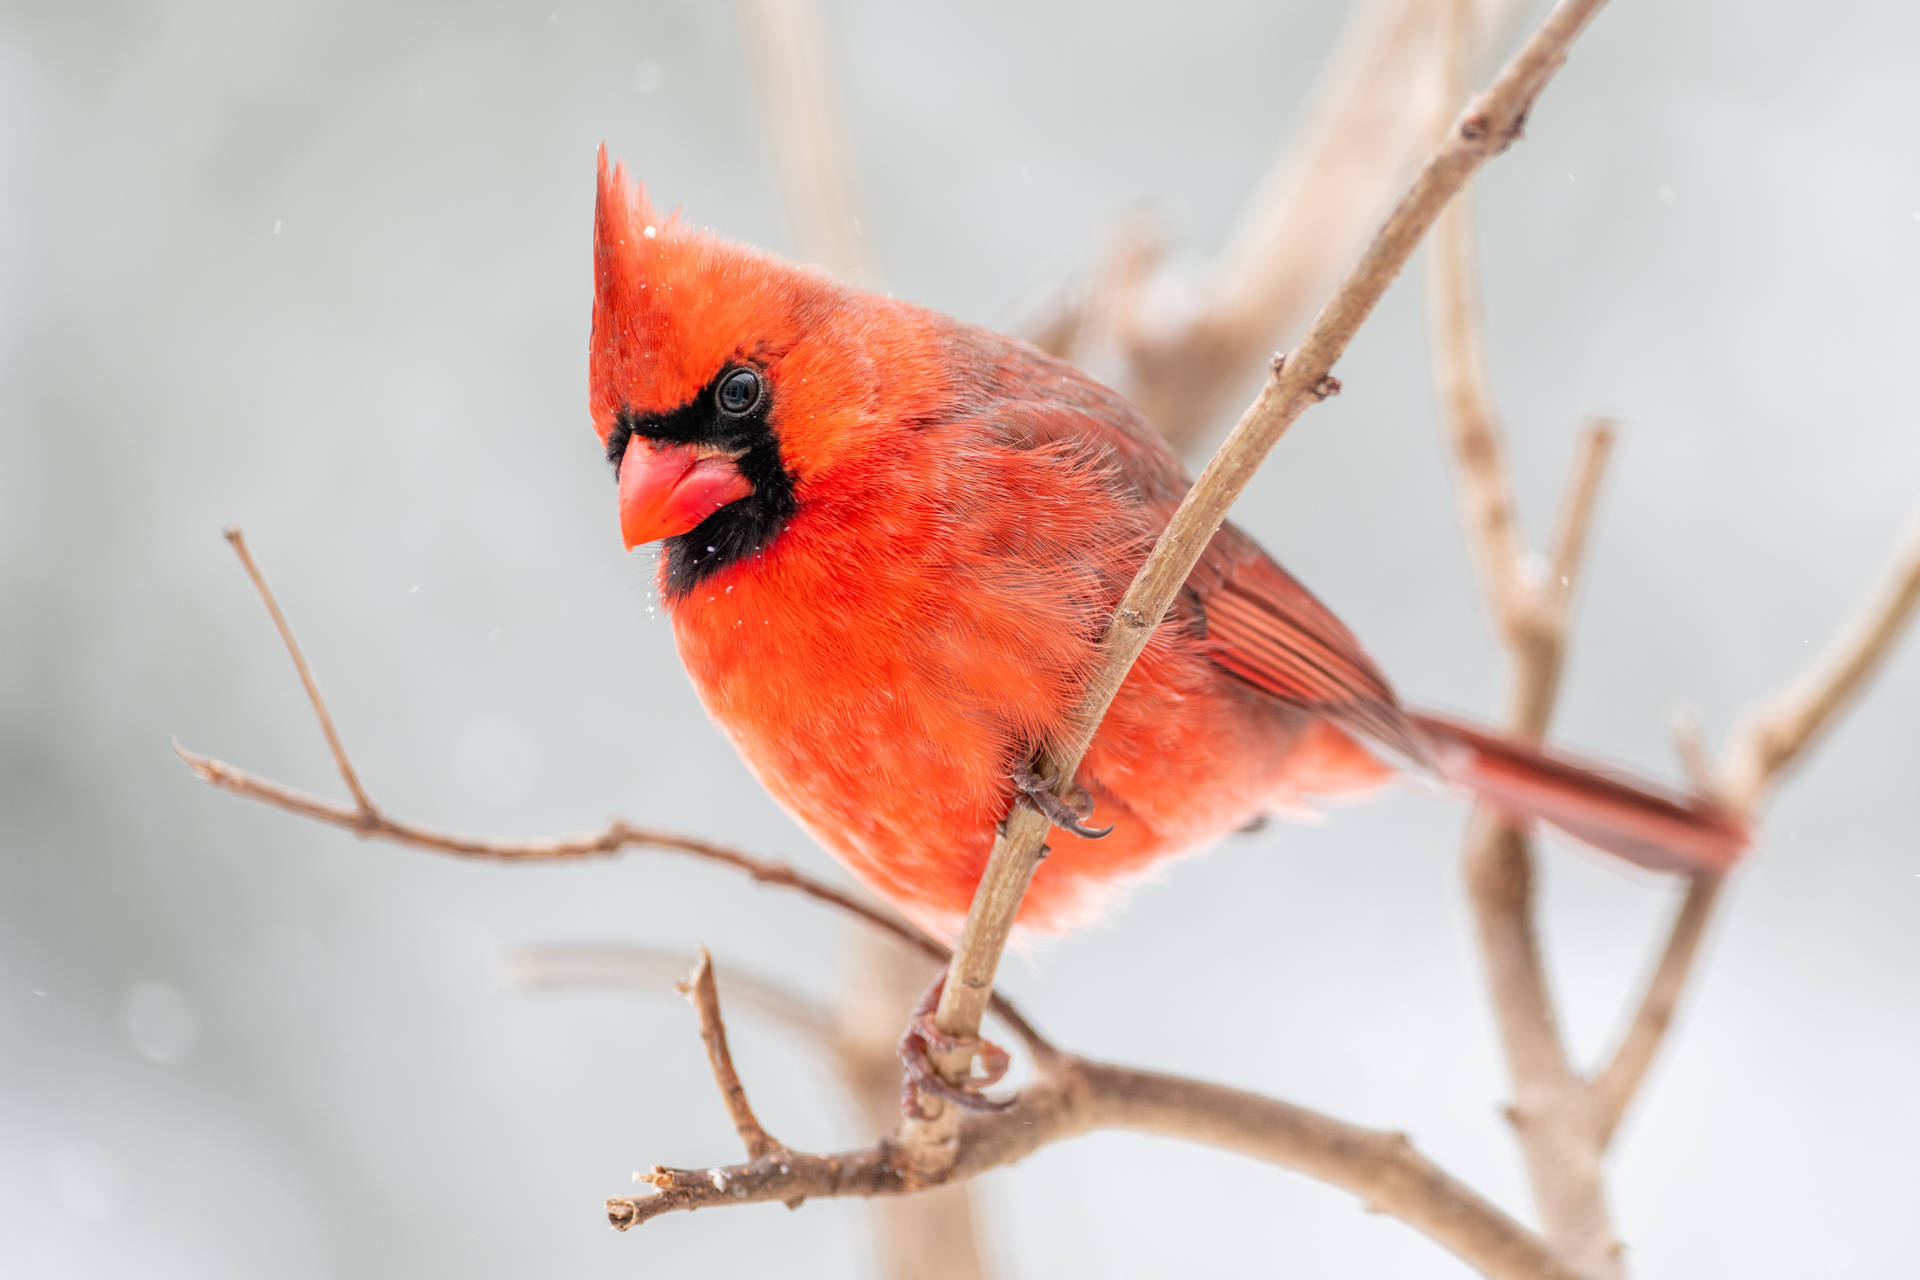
(1071, 1096)
(1564, 1123)
(1074, 1096)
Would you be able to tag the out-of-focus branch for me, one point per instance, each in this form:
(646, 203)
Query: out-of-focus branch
(788, 43)
(1619, 1082)
(1453, 319)
(1073, 1096)
(1489, 124)
(560, 966)
(1550, 1109)
(1363, 135)
(1766, 748)
(363, 806)
(1774, 738)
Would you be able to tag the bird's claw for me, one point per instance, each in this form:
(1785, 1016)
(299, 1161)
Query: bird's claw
(1068, 812)
(923, 1038)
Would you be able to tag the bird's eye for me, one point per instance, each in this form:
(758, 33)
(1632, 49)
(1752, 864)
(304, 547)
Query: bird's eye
(739, 392)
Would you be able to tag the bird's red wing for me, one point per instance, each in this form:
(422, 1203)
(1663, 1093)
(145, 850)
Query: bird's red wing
(1260, 624)
(1256, 621)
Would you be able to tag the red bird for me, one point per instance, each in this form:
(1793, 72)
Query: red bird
(892, 543)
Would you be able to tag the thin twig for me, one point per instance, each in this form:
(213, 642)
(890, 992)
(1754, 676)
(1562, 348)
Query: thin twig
(1074, 1096)
(1550, 1102)
(1536, 635)
(1772, 741)
(366, 820)
(1563, 1124)
(1690, 744)
(1489, 124)
(238, 541)
(1453, 318)
(713, 1035)
(1569, 545)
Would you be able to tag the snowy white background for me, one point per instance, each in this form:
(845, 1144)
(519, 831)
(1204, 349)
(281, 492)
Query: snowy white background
(322, 270)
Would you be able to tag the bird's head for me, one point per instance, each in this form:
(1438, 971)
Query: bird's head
(722, 381)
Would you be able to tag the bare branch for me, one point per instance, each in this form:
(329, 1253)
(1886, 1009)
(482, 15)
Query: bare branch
(366, 820)
(1486, 496)
(238, 541)
(713, 1035)
(1550, 1106)
(1363, 134)
(1564, 1125)
(1576, 512)
(1550, 1102)
(616, 836)
(1614, 1088)
(1075, 1096)
(1690, 744)
(1773, 740)
(1537, 637)
(1490, 123)
(787, 40)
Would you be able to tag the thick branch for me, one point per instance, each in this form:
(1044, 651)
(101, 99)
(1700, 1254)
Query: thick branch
(1537, 639)
(1490, 123)
(1550, 1106)
(1364, 131)
(1074, 1096)
(1550, 1110)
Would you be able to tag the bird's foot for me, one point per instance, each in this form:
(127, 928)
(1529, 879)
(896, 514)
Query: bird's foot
(1068, 812)
(923, 1038)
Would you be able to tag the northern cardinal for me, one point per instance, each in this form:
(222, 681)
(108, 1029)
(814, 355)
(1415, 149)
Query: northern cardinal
(892, 543)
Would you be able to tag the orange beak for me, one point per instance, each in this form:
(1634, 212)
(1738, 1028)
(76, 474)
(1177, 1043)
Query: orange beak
(667, 489)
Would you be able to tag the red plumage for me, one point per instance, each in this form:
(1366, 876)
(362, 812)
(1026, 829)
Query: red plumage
(938, 522)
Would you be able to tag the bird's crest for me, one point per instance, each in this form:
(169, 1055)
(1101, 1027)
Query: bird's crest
(673, 304)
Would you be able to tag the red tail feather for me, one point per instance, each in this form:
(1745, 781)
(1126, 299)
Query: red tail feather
(1629, 819)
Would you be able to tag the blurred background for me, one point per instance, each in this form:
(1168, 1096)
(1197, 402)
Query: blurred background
(321, 270)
